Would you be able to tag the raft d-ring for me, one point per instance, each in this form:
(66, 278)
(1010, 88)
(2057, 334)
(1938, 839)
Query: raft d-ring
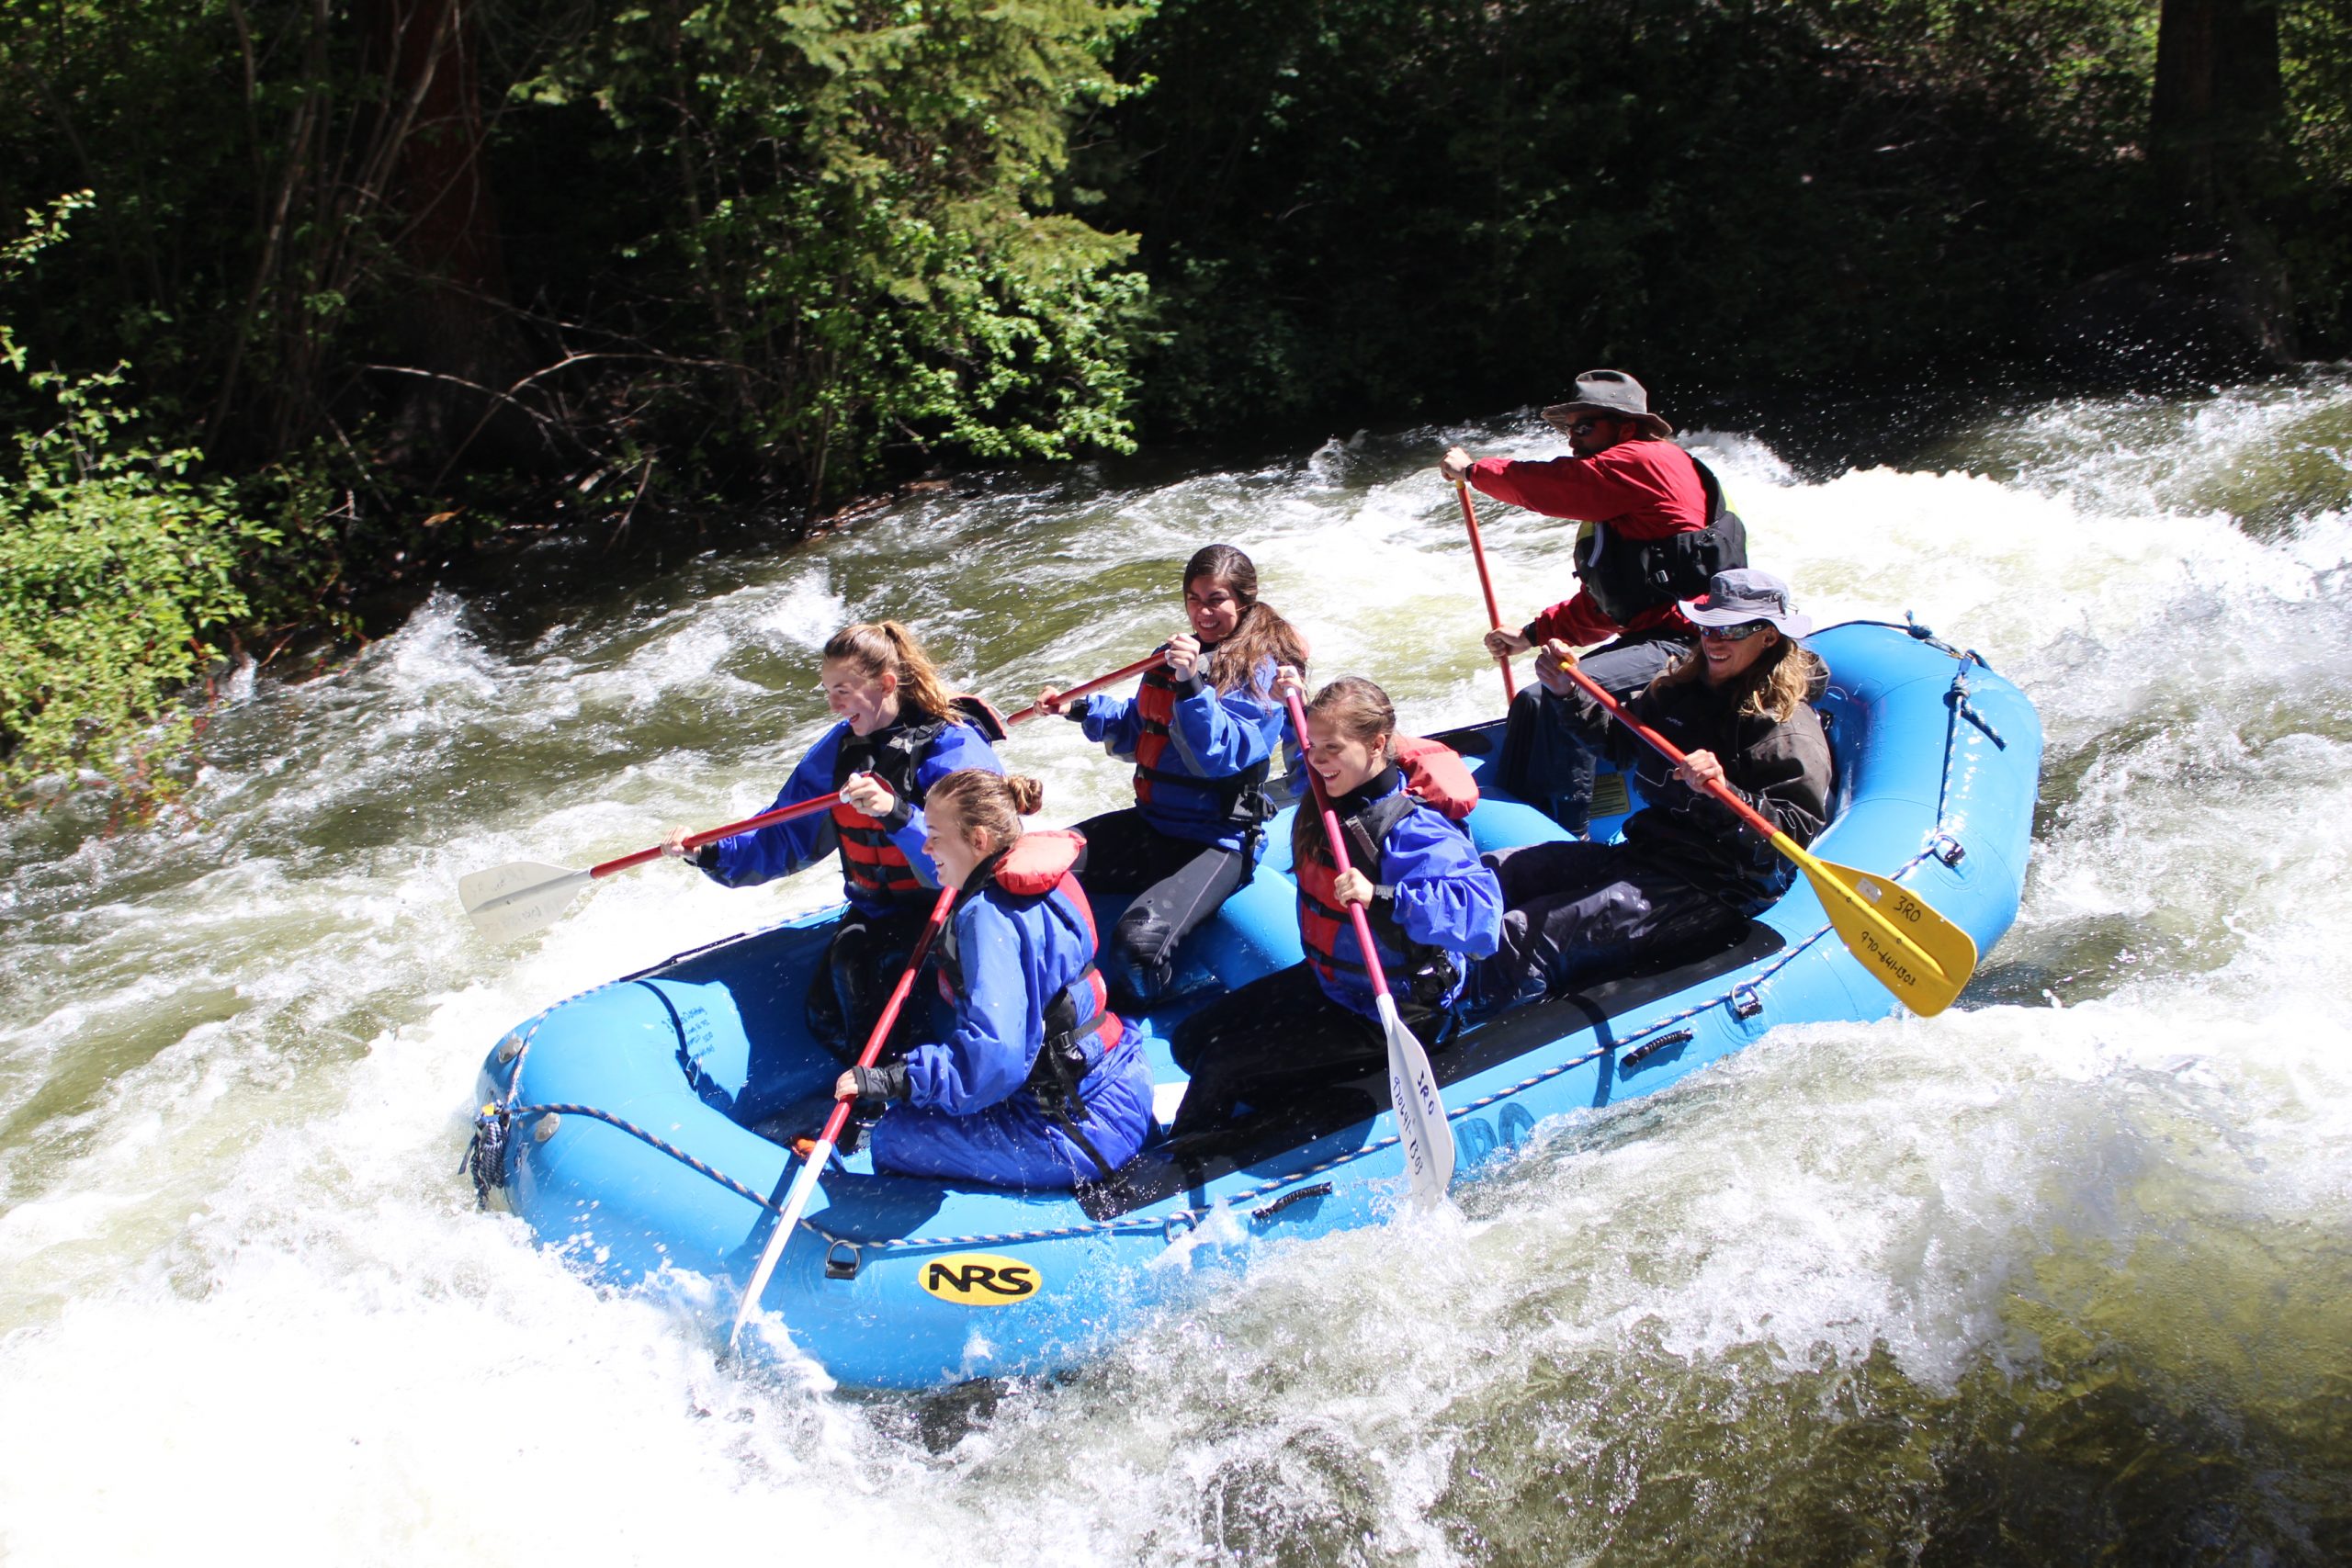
(545, 1127)
(842, 1259)
(1744, 1003)
(509, 1048)
(1183, 1222)
(1949, 850)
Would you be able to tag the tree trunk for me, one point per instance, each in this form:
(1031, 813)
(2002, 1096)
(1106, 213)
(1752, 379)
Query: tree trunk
(462, 345)
(2216, 127)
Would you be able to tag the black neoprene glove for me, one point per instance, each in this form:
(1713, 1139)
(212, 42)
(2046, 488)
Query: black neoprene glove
(876, 1087)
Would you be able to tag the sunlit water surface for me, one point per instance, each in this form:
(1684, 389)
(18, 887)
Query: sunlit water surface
(2064, 1271)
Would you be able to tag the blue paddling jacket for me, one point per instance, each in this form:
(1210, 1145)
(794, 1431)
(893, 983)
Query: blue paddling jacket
(1434, 904)
(1202, 758)
(1038, 1084)
(884, 867)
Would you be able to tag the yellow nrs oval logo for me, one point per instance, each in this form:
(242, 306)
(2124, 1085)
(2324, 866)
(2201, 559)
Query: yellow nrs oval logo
(980, 1280)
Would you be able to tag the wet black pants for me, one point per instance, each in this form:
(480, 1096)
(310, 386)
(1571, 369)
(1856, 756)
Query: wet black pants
(1577, 912)
(1177, 883)
(1543, 762)
(1281, 1041)
(852, 980)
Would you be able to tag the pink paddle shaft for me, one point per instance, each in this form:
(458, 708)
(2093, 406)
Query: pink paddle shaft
(819, 803)
(711, 836)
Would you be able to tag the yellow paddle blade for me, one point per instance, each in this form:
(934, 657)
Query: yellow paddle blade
(1909, 948)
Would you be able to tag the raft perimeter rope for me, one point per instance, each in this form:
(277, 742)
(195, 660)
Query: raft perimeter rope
(493, 1129)
(485, 1155)
(493, 1126)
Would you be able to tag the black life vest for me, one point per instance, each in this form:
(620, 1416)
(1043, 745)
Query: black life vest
(1241, 796)
(1419, 974)
(1627, 577)
(871, 861)
(1079, 1027)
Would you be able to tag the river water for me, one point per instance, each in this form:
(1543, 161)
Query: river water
(2064, 1271)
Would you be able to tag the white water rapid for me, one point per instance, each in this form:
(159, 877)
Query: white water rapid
(2065, 1270)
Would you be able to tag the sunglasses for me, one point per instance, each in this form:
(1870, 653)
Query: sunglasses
(1739, 633)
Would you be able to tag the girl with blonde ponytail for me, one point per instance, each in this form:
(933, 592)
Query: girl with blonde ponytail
(1038, 1084)
(901, 732)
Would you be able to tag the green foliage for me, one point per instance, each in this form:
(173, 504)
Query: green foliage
(2315, 47)
(114, 565)
(855, 199)
(1385, 208)
(765, 246)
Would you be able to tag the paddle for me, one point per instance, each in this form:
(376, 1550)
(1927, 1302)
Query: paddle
(1486, 583)
(509, 902)
(1422, 1125)
(805, 1183)
(1909, 948)
(1114, 677)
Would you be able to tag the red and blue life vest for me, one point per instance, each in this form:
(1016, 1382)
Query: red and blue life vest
(1239, 797)
(1419, 976)
(1079, 1027)
(872, 862)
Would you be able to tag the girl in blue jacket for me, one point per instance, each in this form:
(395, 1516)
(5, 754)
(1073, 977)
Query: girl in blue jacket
(1038, 1084)
(1433, 908)
(901, 732)
(1202, 731)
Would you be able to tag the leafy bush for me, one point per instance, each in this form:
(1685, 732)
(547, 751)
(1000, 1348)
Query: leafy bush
(114, 567)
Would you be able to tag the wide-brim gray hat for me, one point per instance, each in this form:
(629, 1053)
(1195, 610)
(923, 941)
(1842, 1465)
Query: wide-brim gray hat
(1735, 598)
(1611, 394)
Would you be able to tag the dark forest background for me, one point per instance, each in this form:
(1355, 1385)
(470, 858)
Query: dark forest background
(302, 300)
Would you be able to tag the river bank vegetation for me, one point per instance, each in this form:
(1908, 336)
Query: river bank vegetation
(301, 301)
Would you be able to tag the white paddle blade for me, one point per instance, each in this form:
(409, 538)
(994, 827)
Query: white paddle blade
(510, 902)
(795, 1203)
(1422, 1125)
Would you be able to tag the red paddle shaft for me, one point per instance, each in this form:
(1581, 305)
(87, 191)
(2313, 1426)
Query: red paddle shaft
(1485, 582)
(1338, 844)
(819, 803)
(712, 835)
(1670, 751)
(1114, 677)
(865, 1058)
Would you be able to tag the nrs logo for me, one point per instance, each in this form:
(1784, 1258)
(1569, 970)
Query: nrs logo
(979, 1279)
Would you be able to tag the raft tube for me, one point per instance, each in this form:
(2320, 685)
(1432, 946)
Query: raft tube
(619, 1123)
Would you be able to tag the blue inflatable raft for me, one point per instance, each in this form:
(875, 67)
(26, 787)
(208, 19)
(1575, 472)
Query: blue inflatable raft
(620, 1123)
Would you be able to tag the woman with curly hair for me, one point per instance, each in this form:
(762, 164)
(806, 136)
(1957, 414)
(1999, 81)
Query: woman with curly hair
(1686, 878)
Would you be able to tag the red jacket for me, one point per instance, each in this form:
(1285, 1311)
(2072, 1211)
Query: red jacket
(1641, 489)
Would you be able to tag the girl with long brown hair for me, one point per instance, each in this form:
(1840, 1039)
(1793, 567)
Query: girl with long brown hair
(1202, 731)
(901, 732)
(1431, 906)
